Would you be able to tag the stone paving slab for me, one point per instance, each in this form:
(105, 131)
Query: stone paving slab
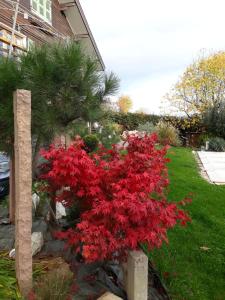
(109, 296)
(214, 164)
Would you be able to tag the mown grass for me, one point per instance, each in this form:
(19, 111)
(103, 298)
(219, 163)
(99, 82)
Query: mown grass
(189, 271)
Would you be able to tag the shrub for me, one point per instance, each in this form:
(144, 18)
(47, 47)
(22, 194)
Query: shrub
(167, 134)
(216, 144)
(203, 138)
(122, 196)
(147, 127)
(131, 121)
(186, 125)
(110, 133)
(91, 142)
(214, 120)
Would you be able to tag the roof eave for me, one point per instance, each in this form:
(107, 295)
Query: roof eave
(90, 33)
(73, 7)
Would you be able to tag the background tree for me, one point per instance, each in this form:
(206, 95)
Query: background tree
(201, 86)
(124, 104)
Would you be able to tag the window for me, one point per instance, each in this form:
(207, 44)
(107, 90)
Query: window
(30, 44)
(43, 8)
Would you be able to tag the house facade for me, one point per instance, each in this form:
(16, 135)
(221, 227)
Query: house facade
(24, 22)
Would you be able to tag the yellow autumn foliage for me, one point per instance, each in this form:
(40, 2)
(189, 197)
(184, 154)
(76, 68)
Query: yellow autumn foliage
(124, 104)
(201, 86)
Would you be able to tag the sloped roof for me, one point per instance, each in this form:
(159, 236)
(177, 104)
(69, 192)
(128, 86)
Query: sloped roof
(81, 30)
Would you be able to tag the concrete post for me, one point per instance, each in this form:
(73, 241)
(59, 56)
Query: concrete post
(23, 189)
(137, 276)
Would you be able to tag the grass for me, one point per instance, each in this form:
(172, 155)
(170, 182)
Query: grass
(188, 270)
(8, 283)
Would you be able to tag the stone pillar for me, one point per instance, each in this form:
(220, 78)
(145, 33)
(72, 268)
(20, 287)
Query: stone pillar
(137, 276)
(23, 189)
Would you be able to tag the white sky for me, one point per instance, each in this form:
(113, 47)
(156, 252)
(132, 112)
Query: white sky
(148, 44)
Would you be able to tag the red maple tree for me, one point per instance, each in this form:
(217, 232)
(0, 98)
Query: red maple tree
(121, 194)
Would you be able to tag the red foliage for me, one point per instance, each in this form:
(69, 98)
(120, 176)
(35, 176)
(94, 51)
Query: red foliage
(121, 195)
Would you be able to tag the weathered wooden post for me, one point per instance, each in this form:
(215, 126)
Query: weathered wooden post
(23, 189)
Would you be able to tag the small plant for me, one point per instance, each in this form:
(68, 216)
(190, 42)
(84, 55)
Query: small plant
(167, 134)
(217, 144)
(147, 127)
(91, 142)
(54, 286)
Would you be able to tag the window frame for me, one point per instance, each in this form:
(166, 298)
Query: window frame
(45, 10)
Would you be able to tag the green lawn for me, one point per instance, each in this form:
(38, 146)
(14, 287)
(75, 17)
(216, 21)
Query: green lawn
(188, 271)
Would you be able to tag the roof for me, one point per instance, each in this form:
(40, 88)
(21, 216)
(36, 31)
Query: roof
(81, 30)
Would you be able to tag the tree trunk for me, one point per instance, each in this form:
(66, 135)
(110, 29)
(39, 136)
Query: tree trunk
(89, 128)
(36, 156)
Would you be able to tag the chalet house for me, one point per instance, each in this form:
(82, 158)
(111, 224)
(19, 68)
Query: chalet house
(24, 22)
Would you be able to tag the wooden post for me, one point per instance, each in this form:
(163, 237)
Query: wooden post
(23, 189)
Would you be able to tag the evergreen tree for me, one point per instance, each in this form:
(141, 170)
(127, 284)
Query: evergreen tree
(65, 85)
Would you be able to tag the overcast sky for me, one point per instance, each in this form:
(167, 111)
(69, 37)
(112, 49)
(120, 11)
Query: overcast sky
(148, 44)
